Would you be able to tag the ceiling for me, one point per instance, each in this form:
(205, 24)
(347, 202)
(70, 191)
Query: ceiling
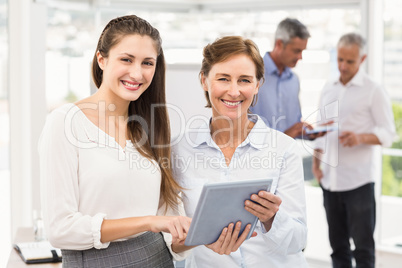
(212, 5)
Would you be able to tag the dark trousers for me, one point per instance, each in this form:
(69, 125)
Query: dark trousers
(351, 214)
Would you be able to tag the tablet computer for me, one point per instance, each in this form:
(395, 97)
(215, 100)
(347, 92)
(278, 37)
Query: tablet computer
(321, 129)
(221, 204)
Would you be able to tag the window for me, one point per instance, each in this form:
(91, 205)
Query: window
(4, 137)
(391, 201)
(392, 160)
(72, 37)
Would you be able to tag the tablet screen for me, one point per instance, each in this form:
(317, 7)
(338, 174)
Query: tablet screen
(221, 204)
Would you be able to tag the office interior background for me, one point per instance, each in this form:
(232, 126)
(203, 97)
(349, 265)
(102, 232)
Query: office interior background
(46, 47)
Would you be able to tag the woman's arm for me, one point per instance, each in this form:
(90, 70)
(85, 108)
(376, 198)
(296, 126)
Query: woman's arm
(283, 214)
(177, 226)
(66, 226)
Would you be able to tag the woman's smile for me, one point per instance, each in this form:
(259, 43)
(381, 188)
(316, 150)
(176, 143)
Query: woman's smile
(231, 104)
(131, 85)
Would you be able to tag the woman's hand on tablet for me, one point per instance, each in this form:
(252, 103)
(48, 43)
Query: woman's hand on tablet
(229, 240)
(265, 206)
(177, 226)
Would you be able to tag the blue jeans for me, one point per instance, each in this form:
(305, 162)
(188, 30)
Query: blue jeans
(351, 214)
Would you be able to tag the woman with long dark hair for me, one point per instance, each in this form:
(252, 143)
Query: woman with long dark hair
(106, 176)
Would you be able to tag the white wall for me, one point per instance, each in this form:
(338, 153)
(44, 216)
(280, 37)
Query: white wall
(27, 32)
(185, 95)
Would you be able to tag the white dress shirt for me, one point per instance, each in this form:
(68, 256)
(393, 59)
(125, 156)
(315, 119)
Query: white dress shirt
(360, 106)
(86, 176)
(266, 153)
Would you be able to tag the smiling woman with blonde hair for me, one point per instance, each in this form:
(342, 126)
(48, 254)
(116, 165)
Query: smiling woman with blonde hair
(235, 145)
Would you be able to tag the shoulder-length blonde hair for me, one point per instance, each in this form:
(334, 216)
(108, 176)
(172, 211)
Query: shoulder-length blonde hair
(224, 48)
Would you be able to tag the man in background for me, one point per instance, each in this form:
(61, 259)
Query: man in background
(363, 113)
(278, 98)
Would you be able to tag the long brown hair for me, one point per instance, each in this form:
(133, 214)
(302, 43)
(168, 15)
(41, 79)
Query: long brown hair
(148, 125)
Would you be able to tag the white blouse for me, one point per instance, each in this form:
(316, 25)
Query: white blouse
(86, 176)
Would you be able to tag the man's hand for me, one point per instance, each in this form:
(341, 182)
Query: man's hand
(314, 136)
(295, 130)
(349, 139)
(299, 129)
(317, 173)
